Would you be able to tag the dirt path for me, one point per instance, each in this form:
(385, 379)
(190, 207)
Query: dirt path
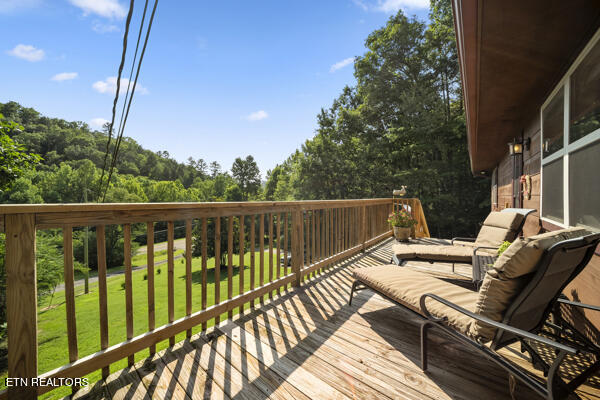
(179, 244)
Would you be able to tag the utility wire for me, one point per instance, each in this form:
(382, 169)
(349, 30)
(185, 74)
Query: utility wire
(114, 108)
(124, 121)
(137, 45)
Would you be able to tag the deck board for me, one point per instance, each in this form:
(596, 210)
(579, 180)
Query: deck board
(309, 343)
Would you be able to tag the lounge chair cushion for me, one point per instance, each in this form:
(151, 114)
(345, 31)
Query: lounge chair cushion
(495, 296)
(505, 280)
(406, 286)
(499, 227)
(433, 252)
(522, 256)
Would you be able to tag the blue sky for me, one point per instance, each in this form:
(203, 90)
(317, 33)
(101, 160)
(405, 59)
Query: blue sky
(220, 79)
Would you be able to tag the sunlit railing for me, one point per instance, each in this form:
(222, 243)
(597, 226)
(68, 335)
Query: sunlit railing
(298, 238)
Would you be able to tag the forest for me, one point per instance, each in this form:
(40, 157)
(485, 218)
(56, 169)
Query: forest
(402, 123)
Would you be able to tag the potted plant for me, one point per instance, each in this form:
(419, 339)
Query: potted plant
(402, 222)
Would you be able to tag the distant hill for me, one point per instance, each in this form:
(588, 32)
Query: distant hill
(57, 140)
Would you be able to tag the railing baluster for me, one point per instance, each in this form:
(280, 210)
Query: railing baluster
(270, 251)
(297, 247)
(331, 232)
(21, 302)
(229, 262)
(188, 270)
(128, 287)
(70, 293)
(313, 257)
(150, 277)
(241, 261)
(318, 235)
(278, 257)
(217, 270)
(306, 227)
(171, 276)
(261, 234)
(102, 295)
(286, 248)
(204, 254)
(252, 253)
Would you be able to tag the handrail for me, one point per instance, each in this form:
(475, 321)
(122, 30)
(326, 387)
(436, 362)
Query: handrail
(316, 233)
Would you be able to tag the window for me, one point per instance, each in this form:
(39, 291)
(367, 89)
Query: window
(553, 121)
(570, 121)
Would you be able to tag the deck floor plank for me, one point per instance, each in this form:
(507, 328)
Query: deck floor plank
(309, 343)
(198, 384)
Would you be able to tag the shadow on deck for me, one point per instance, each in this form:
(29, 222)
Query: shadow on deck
(309, 344)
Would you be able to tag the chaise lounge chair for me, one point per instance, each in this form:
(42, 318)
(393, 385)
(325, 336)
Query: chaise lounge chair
(497, 228)
(513, 304)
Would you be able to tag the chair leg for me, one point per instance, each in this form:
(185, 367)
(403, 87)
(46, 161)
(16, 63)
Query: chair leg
(354, 285)
(425, 325)
(551, 384)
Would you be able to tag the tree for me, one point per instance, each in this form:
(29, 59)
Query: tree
(215, 169)
(14, 159)
(403, 124)
(247, 175)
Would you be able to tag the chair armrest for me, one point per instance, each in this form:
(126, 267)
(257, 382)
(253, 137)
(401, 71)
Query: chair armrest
(500, 325)
(577, 304)
(483, 247)
(463, 239)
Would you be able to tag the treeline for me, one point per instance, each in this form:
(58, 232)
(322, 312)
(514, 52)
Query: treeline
(402, 124)
(73, 156)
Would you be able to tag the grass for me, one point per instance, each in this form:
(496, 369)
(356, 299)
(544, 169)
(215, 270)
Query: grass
(52, 331)
(136, 261)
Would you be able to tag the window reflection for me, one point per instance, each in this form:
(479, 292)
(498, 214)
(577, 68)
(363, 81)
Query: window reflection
(553, 122)
(585, 96)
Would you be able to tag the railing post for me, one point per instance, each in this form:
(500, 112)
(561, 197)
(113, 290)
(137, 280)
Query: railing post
(21, 303)
(297, 247)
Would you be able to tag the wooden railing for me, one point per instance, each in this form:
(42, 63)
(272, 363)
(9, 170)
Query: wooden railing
(315, 233)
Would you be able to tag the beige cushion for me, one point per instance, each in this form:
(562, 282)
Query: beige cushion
(508, 276)
(499, 227)
(522, 256)
(495, 296)
(433, 252)
(406, 286)
(506, 220)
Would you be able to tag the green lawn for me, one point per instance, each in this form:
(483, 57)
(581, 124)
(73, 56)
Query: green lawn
(52, 330)
(136, 261)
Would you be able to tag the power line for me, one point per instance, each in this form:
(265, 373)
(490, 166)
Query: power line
(137, 45)
(124, 121)
(118, 84)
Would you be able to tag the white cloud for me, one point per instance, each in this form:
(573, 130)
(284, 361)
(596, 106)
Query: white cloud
(103, 8)
(341, 64)
(109, 85)
(104, 28)
(361, 4)
(392, 6)
(10, 6)
(98, 122)
(65, 76)
(27, 52)
(257, 116)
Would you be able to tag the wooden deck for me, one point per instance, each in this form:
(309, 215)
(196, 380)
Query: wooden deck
(309, 344)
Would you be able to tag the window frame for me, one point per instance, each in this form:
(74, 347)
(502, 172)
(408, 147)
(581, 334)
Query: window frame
(568, 148)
